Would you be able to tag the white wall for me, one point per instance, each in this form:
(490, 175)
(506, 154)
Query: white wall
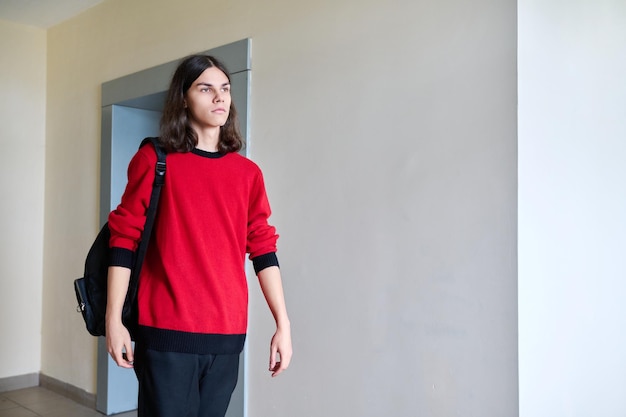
(572, 208)
(22, 147)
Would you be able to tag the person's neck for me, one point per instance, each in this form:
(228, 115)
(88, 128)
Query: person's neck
(208, 139)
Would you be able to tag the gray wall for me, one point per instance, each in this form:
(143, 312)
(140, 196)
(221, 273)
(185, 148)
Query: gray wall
(394, 186)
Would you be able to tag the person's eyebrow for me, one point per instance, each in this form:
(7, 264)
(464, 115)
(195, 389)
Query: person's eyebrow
(211, 85)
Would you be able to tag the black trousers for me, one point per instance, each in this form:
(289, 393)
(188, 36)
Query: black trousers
(184, 385)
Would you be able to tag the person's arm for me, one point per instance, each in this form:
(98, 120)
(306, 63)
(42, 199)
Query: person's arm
(117, 335)
(126, 224)
(280, 346)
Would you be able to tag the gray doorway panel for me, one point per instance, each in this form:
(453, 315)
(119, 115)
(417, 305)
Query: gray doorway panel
(131, 108)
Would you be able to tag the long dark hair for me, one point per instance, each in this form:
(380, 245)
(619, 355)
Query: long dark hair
(177, 135)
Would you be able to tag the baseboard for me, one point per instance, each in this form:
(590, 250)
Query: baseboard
(70, 391)
(18, 382)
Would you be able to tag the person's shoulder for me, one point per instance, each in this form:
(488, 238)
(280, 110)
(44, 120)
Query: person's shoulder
(145, 158)
(147, 151)
(243, 162)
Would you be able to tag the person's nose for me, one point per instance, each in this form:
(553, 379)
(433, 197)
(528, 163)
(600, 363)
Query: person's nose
(219, 97)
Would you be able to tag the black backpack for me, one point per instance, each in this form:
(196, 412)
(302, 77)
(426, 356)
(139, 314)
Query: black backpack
(91, 289)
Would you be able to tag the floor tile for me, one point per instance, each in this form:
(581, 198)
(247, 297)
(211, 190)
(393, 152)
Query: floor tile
(75, 411)
(127, 414)
(28, 396)
(40, 402)
(52, 406)
(18, 412)
(5, 403)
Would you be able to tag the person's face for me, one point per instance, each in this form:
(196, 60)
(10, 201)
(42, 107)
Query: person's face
(208, 99)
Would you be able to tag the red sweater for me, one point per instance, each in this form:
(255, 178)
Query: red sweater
(213, 209)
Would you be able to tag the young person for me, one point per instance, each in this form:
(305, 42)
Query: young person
(192, 296)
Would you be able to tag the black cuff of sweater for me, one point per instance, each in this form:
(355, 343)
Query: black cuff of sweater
(122, 257)
(264, 261)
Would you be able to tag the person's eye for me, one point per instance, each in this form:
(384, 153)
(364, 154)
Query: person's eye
(225, 89)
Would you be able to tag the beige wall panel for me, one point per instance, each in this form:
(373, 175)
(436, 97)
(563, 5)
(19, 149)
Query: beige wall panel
(22, 141)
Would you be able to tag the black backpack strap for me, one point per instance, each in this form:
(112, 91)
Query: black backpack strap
(159, 180)
(159, 177)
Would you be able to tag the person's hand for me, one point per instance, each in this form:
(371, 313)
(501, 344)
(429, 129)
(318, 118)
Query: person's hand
(119, 345)
(280, 351)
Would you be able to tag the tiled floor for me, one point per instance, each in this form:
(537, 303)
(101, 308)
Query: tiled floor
(40, 402)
